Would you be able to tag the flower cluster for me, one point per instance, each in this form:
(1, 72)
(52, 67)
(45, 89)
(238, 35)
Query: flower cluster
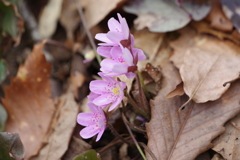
(121, 59)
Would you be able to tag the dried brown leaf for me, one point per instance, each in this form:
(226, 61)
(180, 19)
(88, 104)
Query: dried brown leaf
(182, 136)
(228, 144)
(178, 91)
(218, 19)
(96, 11)
(28, 102)
(205, 64)
(204, 27)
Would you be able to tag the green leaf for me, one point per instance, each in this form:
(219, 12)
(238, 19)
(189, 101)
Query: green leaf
(8, 19)
(89, 155)
(11, 146)
(3, 71)
(3, 117)
(165, 15)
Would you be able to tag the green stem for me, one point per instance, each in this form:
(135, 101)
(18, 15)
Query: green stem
(131, 101)
(143, 86)
(135, 141)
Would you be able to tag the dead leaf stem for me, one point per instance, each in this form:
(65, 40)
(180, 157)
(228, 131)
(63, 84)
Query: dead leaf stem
(180, 131)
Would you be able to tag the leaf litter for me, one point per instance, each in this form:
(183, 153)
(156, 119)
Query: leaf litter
(202, 60)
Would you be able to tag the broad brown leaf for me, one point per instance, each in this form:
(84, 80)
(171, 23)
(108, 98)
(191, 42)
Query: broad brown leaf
(228, 144)
(205, 64)
(63, 123)
(28, 102)
(182, 136)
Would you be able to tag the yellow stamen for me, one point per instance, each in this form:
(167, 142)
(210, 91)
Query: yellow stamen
(115, 90)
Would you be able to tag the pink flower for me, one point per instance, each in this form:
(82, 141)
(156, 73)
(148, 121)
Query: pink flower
(110, 91)
(119, 31)
(121, 60)
(95, 122)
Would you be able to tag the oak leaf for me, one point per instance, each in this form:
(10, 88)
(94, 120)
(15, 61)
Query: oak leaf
(183, 136)
(28, 102)
(205, 64)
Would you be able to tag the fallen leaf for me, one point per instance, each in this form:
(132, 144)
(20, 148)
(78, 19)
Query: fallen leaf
(63, 124)
(164, 16)
(206, 64)
(217, 157)
(95, 12)
(204, 27)
(157, 15)
(218, 19)
(69, 18)
(231, 10)
(28, 102)
(227, 144)
(11, 146)
(183, 136)
(3, 117)
(77, 146)
(178, 91)
(49, 18)
(204, 156)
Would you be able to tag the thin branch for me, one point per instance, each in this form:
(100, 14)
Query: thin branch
(80, 11)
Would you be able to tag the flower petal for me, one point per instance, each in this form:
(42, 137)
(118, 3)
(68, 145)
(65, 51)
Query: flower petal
(114, 25)
(89, 132)
(102, 37)
(104, 51)
(115, 104)
(84, 119)
(127, 56)
(130, 75)
(99, 86)
(103, 100)
(107, 65)
(115, 37)
(100, 134)
(125, 29)
(141, 55)
(92, 107)
(120, 68)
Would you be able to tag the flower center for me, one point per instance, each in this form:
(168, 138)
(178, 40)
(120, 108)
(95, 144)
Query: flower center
(115, 90)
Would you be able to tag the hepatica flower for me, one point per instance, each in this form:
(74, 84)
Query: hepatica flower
(95, 122)
(110, 91)
(119, 31)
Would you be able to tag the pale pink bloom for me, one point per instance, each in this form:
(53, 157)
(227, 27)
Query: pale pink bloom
(95, 122)
(120, 60)
(119, 31)
(110, 91)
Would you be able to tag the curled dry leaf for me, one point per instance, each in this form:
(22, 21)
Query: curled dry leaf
(28, 102)
(205, 64)
(218, 19)
(183, 136)
(178, 91)
(228, 144)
